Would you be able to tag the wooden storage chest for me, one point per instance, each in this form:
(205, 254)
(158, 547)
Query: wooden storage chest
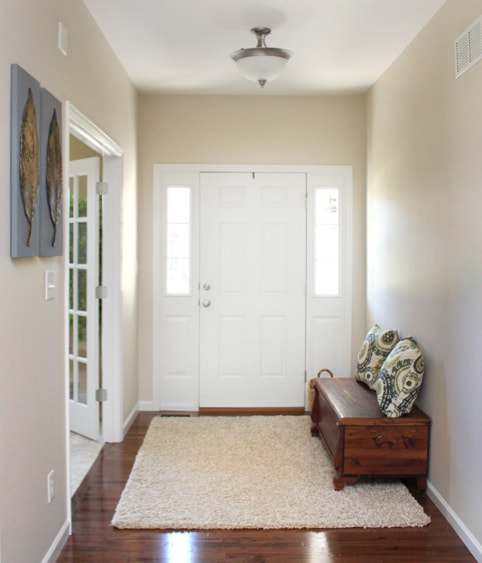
(364, 442)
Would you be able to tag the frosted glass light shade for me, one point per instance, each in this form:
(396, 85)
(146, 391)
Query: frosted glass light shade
(261, 63)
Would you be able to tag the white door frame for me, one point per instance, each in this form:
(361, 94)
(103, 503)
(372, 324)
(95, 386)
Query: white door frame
(330, 317)
(340, 176)
(112, 154)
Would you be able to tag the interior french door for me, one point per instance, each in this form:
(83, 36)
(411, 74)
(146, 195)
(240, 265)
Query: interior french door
(252, 289)
(83, 307)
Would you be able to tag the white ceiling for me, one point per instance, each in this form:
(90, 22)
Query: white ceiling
(183, 46)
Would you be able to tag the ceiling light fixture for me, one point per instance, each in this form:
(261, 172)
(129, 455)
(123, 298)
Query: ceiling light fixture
(261, 63)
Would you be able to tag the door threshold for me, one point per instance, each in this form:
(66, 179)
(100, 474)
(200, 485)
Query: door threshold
(250, 411)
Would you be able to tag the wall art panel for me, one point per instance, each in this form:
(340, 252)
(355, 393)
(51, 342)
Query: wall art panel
(51, 185)
(24, 163)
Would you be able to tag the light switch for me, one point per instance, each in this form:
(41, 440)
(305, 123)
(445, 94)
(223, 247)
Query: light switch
(50, 285)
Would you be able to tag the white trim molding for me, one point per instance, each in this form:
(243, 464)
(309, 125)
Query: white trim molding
(58, 544)
(147, 406)
(453, 519)
(85, 130)
(130, 420)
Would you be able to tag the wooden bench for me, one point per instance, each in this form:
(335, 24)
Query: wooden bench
(364, 442)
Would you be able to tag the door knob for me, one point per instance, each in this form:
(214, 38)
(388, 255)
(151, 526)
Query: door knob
(206, 303)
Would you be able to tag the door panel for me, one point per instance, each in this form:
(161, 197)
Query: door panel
(176, 297)
(329, 302)
(83, 312)
(252, 317)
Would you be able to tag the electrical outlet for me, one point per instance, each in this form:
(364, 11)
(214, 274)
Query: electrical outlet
(50, 486)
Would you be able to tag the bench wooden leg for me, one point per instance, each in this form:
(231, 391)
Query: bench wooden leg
(339, 482)
(421, 484)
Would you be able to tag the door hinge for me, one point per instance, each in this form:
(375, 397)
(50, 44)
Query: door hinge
(306, 376)
(101, 292)
(101, 188)
(101, 395)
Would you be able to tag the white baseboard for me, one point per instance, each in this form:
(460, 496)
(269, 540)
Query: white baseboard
(140, 406)
(129, 420)
(58, 544)
(147, 406)
(462, 531)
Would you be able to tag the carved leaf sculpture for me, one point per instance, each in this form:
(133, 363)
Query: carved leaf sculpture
(54, 174)
(29, 163)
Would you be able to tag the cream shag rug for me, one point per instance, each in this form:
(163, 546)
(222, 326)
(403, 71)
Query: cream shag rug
(250, 472)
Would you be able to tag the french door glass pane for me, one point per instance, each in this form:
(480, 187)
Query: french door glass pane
(82, 383)
(82, 197)
(71, 243)
(71, 335)
(71, 288)
(82, 290)
(71, 380)
(71, 196)
(82, 243)
(82, 336)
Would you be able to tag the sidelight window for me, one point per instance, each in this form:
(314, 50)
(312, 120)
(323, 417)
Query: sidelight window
(327, 241)
(178, 239)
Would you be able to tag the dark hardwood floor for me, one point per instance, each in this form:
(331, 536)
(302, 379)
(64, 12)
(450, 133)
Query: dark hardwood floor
(95, 540)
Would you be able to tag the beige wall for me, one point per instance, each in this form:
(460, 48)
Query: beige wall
(32, 379)
(424, 241)
(246, 130)
(79, 150)
(424, 237)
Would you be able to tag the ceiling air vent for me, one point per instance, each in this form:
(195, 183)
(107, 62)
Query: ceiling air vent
(468, 48)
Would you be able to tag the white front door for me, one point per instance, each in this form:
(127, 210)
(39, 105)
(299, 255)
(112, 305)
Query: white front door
(83, 307)
(252, 283)
(252, 289)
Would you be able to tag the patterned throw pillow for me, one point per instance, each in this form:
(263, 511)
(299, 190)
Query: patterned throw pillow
(375, 348)
(400, 378)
